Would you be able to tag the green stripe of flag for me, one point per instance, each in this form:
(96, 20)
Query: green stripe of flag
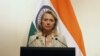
(31, 32)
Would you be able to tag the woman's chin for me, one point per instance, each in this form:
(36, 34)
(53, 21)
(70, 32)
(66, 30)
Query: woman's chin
(48, 29)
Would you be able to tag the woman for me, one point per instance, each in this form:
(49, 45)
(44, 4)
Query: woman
(47, 35)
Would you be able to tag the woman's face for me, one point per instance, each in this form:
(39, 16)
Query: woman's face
(48, 22)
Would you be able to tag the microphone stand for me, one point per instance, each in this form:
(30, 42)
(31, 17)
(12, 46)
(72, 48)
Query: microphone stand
(61, 42)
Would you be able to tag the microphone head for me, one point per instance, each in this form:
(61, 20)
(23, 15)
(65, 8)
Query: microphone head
(45, 35)
(56, 38)
(37, 37)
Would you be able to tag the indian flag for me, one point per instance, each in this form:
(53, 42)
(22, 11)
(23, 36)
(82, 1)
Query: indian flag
(67, 23)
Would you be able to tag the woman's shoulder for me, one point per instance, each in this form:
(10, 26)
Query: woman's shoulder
(35, 35)
(60, 36)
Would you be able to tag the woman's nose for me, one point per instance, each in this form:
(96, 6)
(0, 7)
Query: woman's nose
(48, 22)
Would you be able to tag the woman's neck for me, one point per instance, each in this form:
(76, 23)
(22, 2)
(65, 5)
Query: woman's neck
(46, 33)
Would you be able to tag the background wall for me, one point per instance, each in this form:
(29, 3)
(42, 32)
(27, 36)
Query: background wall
(16, 17)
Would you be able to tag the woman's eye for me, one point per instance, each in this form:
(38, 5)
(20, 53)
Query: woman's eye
(45, 19)
(51, 20)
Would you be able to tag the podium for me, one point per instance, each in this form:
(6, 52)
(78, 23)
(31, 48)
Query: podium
(47, 51)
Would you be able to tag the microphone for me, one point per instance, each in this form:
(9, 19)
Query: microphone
(37, 37)
(45, 36)
(61, 42)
